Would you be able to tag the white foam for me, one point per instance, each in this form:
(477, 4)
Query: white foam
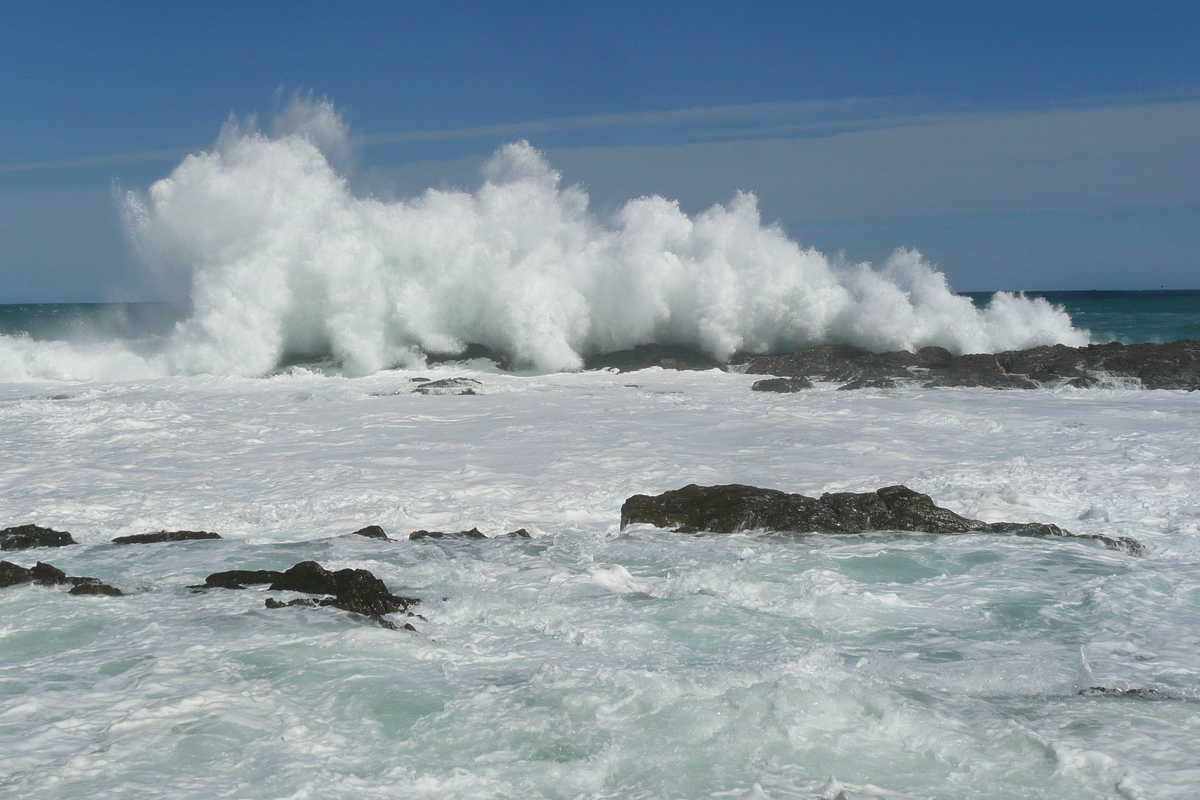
(281, 259)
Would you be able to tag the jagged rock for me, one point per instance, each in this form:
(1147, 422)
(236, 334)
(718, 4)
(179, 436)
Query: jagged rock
(47, 575)
(449, 386)
(1175, 365)
(373, 532)
(356, 590)
(783, 385)
(736, 507)
(474, 533)
(667, 356)
(239, 579)
(165, 536)
(23, 537)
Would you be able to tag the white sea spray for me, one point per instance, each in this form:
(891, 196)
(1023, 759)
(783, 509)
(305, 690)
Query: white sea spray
(281, 259)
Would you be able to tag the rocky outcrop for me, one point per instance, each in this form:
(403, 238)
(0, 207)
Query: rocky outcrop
(474, 533)
(47, 575)
(355, 590)
(372, 532)
(735, 507)
(782, 385)
(1155, 366)
(165, 536)
(23, 537)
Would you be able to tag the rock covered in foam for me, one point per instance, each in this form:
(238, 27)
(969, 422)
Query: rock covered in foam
(736, 507)
(165, 536)
(23, 537)
(43, 574)
(474, 533)
(459, 386)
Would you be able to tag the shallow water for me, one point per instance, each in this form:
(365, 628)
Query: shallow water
(590, 661)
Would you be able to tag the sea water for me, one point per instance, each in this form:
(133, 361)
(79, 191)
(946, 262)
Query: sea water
(588, 661)
(591, 661)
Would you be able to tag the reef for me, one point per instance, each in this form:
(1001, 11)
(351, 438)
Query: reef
(165, 536)
(735, 507)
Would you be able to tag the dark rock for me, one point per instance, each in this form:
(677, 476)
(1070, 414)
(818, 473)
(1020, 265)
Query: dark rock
(1133, 694)
(735, 507)
(306, 602)
(458, 386)
(356, 590)
(875, 383)
(667, 356)
(23, 537)
(372, 532)
(519, 533)
(97, 589)
(1175, 365)
(783, 385)
(165, 536)
(474, 533)
(239, 579)
(47, 575)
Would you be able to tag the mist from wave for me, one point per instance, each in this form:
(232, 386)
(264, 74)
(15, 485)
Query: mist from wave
(284, 261)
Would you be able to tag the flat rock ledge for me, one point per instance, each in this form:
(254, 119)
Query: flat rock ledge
(356, 590)
(736, 507)
(165, 536)
(23, 537)
(1175, 365)
(47, 575)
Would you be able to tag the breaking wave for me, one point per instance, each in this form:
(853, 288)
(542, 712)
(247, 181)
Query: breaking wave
(284, 261)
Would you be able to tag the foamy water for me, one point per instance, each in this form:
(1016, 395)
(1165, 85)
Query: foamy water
(281, 260)
(593, 662)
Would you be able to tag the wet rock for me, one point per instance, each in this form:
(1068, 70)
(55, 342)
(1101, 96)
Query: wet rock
(736, 507)
(1133, 694)
(474, 533)
(23, 537)
(48, 575)
(96, 588)
(373, 532)
(239, 579)
(667, 356)
(1175, 365)
(783, 385)
(165, 536)
(356, 590)
(306, 602)
(459, 386)
(875, 383)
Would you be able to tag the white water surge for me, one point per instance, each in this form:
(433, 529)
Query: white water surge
(283, 261)
(591, 662)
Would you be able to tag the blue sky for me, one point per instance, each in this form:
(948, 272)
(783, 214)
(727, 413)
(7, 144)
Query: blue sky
(1017, 145)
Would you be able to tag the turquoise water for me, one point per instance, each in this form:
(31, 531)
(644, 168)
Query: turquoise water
(1129, 317)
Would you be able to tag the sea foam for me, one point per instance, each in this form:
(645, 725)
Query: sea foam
(284, 261)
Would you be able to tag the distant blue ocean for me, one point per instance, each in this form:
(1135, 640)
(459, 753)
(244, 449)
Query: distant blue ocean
(1128, 317)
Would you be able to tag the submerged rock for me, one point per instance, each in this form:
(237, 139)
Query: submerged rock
(23, 537)
(239, 579)
(48, 575)
(474, 533)
(1175, 365)
(165, 536)
(1133, 694)
(782, 385)
(736, 507)
(458, 386)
